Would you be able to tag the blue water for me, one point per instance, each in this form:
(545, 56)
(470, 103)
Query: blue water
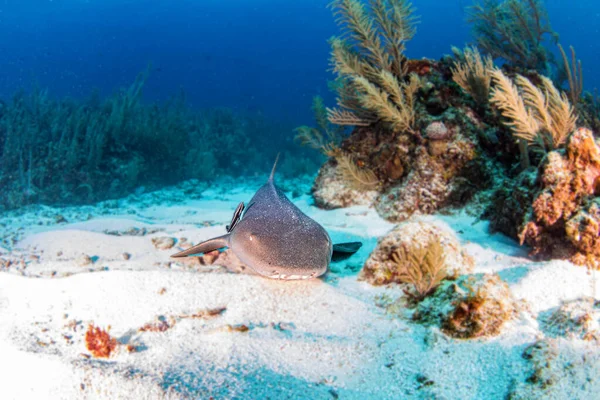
(267, 56)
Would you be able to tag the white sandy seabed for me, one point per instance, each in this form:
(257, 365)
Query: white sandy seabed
(317, 339)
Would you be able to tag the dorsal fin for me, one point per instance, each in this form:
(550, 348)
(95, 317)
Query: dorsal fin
(273, 170)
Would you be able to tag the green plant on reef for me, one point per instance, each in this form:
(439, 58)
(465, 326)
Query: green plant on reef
(372, 82)
(423, 267)
(544, 118)
(514, 30)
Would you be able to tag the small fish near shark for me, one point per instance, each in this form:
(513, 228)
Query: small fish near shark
(275, 239)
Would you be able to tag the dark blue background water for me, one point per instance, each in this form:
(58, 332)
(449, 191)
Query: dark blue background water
(267, 56)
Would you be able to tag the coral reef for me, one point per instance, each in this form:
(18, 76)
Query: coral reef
(482, 311)
(574, 72)
(370, 62)
(331, 190)
(423, 267)
(415, 142)
(437, 177)
(391, 259)
(418, 171)
(589, 111)
(436, 135)
(439, 291)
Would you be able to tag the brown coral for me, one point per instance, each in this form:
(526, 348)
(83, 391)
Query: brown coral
(358, 178)
(564, 220)
(470, 307)
(370, 63)
(481, 312)
(583, 232)
(432, 183)
(99, 342)
(437, 130)
(514, 30)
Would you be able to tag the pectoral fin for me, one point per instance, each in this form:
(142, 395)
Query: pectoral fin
(204, 247)
(342, 251)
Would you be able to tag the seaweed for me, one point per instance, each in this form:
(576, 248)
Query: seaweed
(544, 118)
(423, 267)
(361, 179)
(574, 74)
(513, 30)
(473, 74)
(370, 63)
(65, 151)
(324, 137)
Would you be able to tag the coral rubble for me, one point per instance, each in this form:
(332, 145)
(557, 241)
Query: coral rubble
(559, 369)
(579, 319)
(470, 307)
